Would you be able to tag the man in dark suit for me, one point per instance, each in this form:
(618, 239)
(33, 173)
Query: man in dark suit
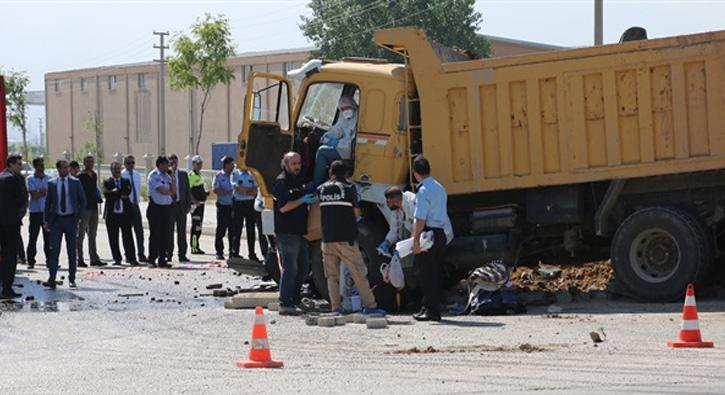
(117, 213)
(64, 207)
(12, 202)
(180, 208)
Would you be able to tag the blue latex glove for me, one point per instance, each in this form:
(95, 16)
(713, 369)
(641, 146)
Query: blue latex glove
(384, 249)
(310, 198)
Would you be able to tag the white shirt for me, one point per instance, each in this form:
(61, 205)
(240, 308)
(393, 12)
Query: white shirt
(135, 184)
(402, 221)
(118, 205)
(69, 209)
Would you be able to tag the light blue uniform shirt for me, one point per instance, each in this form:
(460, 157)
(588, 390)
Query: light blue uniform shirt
(36, 205)
(157, 179)
(431, 203)
(245, 179)
(223, 181)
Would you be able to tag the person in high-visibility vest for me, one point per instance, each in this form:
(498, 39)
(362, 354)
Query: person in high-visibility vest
(198, 197)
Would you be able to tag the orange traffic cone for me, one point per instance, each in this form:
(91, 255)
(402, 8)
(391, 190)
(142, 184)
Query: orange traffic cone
(259, 355)
(690, 330)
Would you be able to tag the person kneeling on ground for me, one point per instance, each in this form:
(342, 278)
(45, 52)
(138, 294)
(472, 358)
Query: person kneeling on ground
(339, 206)
(337, 142)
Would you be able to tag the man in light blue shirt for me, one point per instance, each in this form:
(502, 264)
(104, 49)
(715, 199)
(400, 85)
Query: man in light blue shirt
(431, 214)
(245, 191)
(224, 190)
(161, 189)
(37, 184)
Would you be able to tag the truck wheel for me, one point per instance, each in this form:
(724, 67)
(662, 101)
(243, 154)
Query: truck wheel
(657, 251)
(317, 271)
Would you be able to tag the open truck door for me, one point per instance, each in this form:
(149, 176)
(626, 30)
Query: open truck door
(266, 134)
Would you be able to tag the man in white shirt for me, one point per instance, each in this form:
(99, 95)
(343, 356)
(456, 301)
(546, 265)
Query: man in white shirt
(134, 178)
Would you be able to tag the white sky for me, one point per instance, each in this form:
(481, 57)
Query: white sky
(44, 36)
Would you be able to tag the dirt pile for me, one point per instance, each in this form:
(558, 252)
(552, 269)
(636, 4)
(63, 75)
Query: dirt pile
(525, 347)
(594, 276)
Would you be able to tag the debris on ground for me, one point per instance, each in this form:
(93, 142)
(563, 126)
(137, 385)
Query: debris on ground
(131, 295)
(524, 347)
(214, 286)
(598, 336)
(593, 276)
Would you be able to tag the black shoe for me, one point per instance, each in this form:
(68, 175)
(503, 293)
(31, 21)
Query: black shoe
(98, 263)
(73, 285)
(197, 252)
(427, 316)
(49, 285)
(10, 295)
(142, 258)
(183, 259)
(151, 264)
(220, 257)
(31, 265)
(255, 258)
(235, 255)
(82, 264)
(164, 265)
(117, 263)
(133, 263)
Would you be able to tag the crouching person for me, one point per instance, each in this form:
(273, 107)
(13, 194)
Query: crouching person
(339, 206)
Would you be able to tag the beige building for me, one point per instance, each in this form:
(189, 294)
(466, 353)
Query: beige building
(122, 103)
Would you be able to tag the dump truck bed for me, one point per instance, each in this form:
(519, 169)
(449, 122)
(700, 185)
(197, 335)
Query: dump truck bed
(617, 111)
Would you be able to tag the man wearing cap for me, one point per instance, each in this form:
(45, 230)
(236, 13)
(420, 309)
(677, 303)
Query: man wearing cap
(245, 191)
(224, 191)
(161, 192)
(134, 178)
(198, 198)
(180, 208)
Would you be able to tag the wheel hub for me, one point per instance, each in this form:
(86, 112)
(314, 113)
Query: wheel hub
(655, 255)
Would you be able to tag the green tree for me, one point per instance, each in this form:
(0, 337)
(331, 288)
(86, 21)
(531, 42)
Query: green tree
(200, 60)
(16, 83)
(94, 124)
(341, 28)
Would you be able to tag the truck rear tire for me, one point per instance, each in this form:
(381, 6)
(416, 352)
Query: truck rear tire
(657, 251)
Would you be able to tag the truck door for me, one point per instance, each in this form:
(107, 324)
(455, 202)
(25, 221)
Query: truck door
(266, 133)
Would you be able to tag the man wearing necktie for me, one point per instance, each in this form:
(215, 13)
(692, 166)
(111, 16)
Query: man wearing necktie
(179, 209)
(134, 177)
(64, 207)
(117, 213)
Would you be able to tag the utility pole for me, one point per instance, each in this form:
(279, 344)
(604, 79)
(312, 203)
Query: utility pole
(162, 90)
(40, 132)
(598, 22)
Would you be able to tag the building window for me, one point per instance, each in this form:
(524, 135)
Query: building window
(58, 85)
(112, 82)
(247, 72)
(141, 81)
(84, 85)
(287, 67)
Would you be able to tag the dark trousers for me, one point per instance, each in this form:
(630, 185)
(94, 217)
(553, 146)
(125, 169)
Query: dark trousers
(35, 227)
(137, 225)
(295, 267)
(243, 214)
(9, 255)
(223, 227)
(67, 226)
(197, 220)
(158, 217)
(263, 242)
(429, 265)
(122, 222)
(177, 217)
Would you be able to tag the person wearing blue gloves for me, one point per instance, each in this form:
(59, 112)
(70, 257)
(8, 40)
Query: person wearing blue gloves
(337, 142)
(402, 207)
(290, 226)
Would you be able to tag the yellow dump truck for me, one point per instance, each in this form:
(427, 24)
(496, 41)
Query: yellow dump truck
(567, 156)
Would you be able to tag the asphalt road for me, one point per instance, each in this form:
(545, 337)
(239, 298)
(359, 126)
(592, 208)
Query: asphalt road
(92, 340)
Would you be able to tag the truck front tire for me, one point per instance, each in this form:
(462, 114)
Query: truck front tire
(657, 251)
